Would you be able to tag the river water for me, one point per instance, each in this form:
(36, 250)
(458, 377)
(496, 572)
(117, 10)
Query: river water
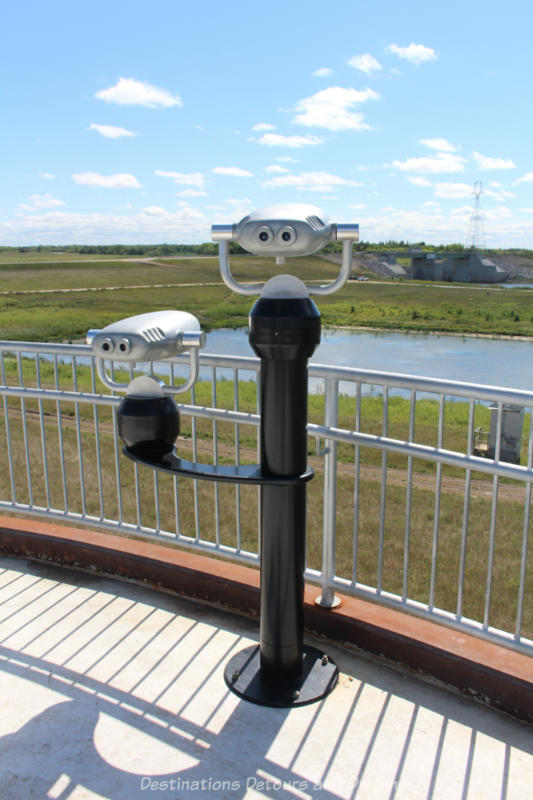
(501, 362)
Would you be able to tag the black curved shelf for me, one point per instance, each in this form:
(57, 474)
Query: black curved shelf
(243, 473)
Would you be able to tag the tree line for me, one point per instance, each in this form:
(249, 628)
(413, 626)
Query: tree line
(211, 249)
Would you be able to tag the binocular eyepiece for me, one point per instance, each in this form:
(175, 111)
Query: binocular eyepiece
(147, 337)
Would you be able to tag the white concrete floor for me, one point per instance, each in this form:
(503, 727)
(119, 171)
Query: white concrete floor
(110, 690)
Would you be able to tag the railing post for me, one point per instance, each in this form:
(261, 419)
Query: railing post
(331, 420)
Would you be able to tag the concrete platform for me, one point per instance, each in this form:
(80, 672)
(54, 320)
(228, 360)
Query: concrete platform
(111, 690)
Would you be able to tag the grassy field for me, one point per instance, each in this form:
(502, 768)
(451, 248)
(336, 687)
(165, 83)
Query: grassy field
(57, 314)
(11, 257)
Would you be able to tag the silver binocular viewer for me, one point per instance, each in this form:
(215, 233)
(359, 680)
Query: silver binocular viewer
(148, 337)
(281, 231)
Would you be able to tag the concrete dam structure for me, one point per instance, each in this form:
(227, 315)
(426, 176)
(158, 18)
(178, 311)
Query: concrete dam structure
(465, 267)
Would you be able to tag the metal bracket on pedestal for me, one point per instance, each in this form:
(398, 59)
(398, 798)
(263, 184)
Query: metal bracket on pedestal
(243, 473)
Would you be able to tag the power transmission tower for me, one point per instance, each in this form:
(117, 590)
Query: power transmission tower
(475, 238)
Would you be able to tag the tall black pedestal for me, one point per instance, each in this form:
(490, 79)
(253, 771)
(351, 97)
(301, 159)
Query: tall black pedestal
(284, 333)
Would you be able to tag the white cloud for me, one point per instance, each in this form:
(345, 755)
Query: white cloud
(238, 201)
(264, 126)
(310, 181)
(365, 62)
(183, 178)
(121, 180)
(526, 210)
(462, 211)
(154, 211)
(130, 92)
(323, 72)
(47, 175)
(152, 225)
(453, 190)
(487, 162)
(416, 53)
(110, 131)
(501, 194)
(191, 193)
(38, 201)
(418, 181)
(276, 168)
(500, 212)
(330, 108)
(358, 206)
(234, 172)
(277, 140)
(527, 178)
(440, 162)
(431, 225)
(288, 160)
(439, 144)
(45, 201)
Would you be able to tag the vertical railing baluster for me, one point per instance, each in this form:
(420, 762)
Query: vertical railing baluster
(215, 454)
(466, 513)
(138, 509)
(195, 458)
(157, 504)
(331, 418)
(408, 499)
(493, 518)
(525, 537)
(25, 432)
(79, 439)
(436, 513)
(61, 442)
(383, 495)
(357, 485)
(237, 460)
(175, 483)
(96, 418)
(8, 433)
(116, 455)
(43, 431)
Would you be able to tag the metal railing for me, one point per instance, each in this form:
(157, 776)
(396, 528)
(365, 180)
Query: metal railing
(401, 511)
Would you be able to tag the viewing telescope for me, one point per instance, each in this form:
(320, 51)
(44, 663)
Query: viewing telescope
(281, 231)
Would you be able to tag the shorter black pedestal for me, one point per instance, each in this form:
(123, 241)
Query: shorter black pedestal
(244, 677)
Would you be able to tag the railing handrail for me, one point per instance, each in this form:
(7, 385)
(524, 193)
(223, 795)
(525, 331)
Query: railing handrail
(408, 381)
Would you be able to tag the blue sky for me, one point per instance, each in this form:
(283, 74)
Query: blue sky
(148, 122)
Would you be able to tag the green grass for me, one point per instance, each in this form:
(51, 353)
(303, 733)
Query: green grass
(385, 305)
(372, 406)
(12, 256)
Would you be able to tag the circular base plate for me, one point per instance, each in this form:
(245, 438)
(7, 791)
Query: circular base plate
(335, 603)
(318, 677)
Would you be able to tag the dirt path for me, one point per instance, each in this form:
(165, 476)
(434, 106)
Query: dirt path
(368, 472)
(110, 288)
